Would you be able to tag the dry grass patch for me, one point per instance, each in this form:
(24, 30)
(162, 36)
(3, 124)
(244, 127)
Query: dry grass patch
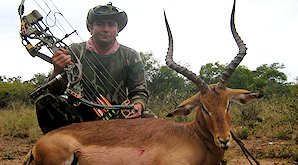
(19, 121)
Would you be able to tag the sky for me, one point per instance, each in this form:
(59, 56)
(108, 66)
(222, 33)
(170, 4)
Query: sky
(200, 29)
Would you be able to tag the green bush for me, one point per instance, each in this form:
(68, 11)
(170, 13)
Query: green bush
(11, 92)
(243, 133)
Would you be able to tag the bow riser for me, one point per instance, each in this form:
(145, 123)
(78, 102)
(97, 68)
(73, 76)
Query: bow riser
(36, 35)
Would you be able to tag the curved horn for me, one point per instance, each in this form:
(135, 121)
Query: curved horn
(201, 85)
(242, 52)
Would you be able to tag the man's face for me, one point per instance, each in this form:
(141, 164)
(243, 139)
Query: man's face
(104, 31)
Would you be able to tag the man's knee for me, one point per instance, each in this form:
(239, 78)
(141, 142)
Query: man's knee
(51, 112)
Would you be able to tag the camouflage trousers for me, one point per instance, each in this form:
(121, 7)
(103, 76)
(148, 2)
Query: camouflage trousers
(55, 111)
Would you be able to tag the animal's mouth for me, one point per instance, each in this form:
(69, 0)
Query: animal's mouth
(225, 146)
(223, 143)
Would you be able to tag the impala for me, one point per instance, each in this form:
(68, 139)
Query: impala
(154, 141)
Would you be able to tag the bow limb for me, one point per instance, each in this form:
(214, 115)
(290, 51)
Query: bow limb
(21, 8)
(33, 28)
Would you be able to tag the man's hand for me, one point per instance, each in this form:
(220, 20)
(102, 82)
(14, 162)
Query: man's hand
(137, 108)
(60, 59)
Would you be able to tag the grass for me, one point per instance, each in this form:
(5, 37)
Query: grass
(19, 121)
(272, 119)
(279, 150)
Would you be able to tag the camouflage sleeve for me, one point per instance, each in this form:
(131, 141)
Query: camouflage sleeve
(136, 82)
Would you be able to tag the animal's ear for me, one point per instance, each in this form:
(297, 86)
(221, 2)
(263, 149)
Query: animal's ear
(244, 96)
(186, 106)
(182, 111)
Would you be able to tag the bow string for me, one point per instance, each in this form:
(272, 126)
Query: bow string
(37, 37)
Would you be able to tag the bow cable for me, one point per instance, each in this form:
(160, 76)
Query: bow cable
(114, 83)
(54, 48)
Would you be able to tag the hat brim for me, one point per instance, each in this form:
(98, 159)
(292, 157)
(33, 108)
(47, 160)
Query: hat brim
(120, 18)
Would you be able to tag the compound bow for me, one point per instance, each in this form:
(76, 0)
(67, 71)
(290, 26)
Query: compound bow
(34, 28)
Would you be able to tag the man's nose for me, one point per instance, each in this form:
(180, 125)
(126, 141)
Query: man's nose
(105, 26)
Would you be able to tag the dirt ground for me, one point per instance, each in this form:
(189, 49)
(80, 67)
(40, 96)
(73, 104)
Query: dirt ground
(13, 151)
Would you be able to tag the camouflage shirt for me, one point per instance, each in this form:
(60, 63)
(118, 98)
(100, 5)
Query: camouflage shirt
(116, 76)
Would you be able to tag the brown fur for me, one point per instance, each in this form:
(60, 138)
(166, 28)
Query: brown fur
(155, 141)
(147, 141)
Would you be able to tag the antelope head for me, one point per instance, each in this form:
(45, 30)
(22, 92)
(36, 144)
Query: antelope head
(212, 101)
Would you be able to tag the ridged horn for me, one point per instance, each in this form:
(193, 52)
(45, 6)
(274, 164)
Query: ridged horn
(242, 52)
(201, 85)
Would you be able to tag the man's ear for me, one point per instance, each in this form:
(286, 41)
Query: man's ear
(90, 28)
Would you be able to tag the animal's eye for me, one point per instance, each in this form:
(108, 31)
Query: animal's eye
(228, 107)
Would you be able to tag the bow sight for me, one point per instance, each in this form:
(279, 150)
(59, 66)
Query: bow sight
(33, 27)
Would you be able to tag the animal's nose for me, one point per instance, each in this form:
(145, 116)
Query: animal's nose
(224, 142)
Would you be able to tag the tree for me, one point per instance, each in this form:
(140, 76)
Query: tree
(269, 80)
(266, 78)
(38, 79)
(15, 91)
(168, 87)
(165, 84)
(165, 81)
(151, 65)
(210, 72)
(14, 79)
(271, 72)
(242, 78)
(2, 78)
